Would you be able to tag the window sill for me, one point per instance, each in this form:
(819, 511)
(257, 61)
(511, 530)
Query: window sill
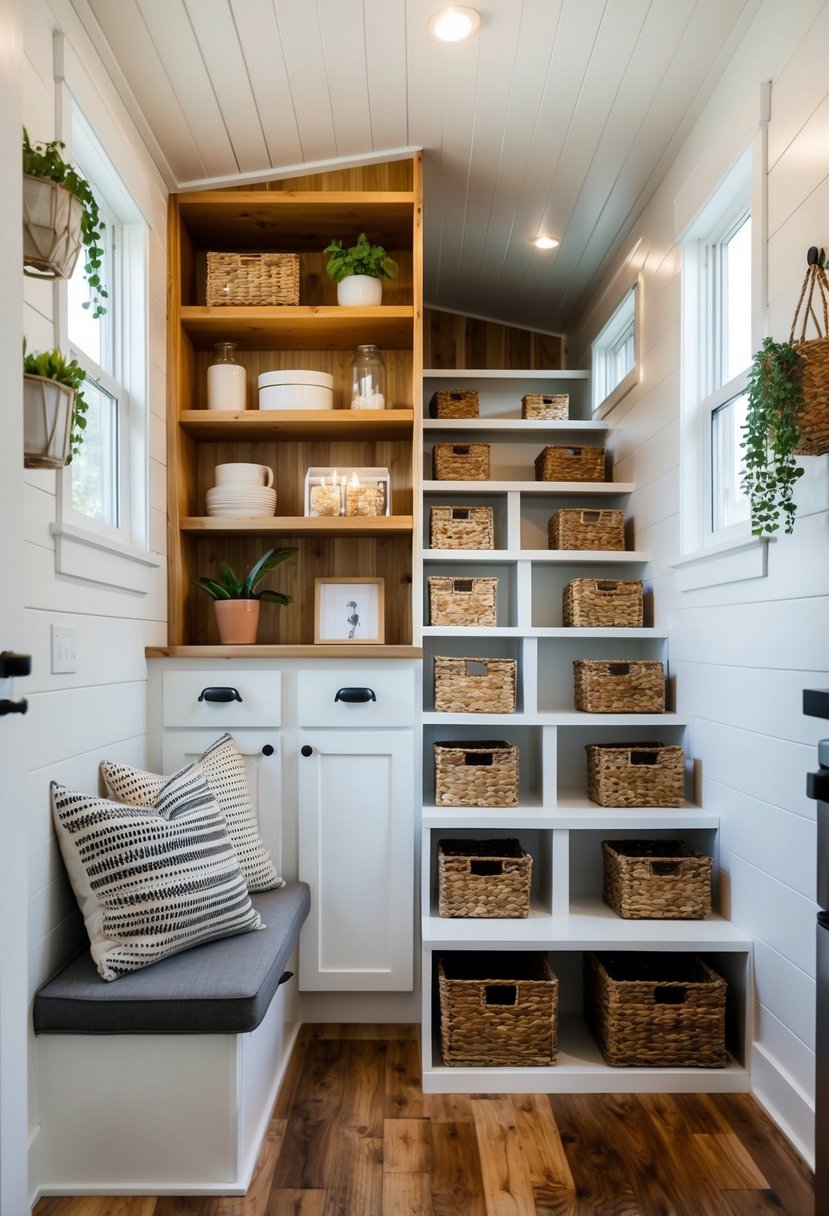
(82, 553)
(616, 394)
(731, 561)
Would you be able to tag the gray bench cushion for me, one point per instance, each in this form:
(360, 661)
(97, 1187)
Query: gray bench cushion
(222, 987)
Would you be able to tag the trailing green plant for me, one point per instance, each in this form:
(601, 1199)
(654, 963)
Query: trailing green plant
(45, 160)
(770, 471)
(54, 365)
(362, 258)
(229, 587)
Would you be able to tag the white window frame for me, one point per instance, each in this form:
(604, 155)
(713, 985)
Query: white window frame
(622, 328)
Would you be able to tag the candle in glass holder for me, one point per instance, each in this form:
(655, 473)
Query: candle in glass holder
(325, 499)
(362, 499)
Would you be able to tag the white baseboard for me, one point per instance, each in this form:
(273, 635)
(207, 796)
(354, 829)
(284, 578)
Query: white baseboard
(360, 1007)
(785, 1101)
(34, 1174)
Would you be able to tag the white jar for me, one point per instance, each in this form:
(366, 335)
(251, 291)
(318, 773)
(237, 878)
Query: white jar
(226, 380)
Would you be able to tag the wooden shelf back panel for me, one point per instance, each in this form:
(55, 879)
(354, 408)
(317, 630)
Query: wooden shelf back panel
(315, 287)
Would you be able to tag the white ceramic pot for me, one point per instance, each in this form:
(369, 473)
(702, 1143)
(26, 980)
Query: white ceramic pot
(360, 291)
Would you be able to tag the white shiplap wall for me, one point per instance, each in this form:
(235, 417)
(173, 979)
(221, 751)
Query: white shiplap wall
(741, 653)
(99, 711)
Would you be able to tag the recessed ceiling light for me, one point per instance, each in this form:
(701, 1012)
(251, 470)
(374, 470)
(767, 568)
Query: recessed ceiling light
(455, 23)
(545, 242)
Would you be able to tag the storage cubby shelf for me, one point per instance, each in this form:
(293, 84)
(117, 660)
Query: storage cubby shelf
(298, 326)
(573, 812)
(562, 717)
(500, 373)
(514, 426)
(568, 488)
(553, 557)
(219, 426)
(298, 525)
(571, 632)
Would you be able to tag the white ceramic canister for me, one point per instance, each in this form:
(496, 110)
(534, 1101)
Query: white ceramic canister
(296, 390)
(226, 380)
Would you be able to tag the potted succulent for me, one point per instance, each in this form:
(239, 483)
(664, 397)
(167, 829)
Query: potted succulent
(359, 271)
(54, 409)
(60, 215)
(237, 600)
(771, 436)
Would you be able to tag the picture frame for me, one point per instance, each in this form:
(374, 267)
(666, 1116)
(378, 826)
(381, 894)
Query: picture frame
(338, 601)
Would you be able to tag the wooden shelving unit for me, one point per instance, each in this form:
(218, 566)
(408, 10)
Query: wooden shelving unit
(315, 334)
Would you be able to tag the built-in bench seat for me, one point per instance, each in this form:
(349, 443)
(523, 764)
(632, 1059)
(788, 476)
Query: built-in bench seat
(163, 1080)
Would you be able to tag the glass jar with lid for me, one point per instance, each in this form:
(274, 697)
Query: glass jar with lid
(368, 379)
(226, 379)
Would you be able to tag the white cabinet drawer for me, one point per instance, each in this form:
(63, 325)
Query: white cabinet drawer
(223, 699)
(323, 697)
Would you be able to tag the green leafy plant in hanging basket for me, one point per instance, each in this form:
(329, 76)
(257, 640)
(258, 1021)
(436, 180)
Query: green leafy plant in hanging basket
(771, 434)
(44, 160)
(54, 365)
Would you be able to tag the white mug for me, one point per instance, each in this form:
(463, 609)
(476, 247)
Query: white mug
(247, 474)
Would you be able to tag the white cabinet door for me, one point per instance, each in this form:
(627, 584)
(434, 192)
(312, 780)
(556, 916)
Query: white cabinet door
(356, 830)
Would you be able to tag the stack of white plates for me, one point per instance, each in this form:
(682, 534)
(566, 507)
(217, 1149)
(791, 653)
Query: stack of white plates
(240, 500)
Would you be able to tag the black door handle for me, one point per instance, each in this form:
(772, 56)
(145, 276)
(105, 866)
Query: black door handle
(13, 707)
(817, 785)
(355, 696)
(306, 750)
(12, 664)
(219, 694)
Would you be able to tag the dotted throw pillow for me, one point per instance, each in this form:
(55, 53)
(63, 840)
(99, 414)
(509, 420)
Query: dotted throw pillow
(151, 882)
(224, 768)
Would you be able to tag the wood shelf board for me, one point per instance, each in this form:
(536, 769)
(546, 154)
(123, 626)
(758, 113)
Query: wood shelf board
(296, 220)
(222, 426)
(569, 488)
(322, 652)
(349, 527)
(564, 717)
(486, 373)
(299, 327)
(513, 426)
(573, 812)
(555, 557)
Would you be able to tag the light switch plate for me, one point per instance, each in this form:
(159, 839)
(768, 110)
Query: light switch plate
(64, 649)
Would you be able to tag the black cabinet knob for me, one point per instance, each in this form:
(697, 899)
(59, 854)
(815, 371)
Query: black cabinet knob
(306, 750)
(267, 750)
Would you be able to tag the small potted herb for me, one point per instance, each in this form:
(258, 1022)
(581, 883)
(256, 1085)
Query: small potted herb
(237, 600)
(60, 215)
(54, 409)
(771, 434)
(359, 271)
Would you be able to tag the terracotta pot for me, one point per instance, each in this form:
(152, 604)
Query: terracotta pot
(51, 229)
(238, 621)
(360, 291)
(47, 422)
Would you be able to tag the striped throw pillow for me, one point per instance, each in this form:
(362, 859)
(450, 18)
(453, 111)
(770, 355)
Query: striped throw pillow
(151, 882)
(224, 767)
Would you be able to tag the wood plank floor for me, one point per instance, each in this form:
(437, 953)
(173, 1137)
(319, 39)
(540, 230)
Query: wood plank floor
(353, 1135)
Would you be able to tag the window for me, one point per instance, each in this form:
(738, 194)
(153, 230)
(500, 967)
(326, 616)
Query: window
(614, 355)
(104, 488)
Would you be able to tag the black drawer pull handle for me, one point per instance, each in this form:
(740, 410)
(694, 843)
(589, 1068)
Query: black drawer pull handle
(220, 694)
(355, 696)
(13, 707)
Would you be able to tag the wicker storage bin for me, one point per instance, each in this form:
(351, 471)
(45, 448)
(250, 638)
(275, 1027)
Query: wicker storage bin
(554, 406)
(252, 278)
(655, 1010)
(597, 602)
(571, 528)
(486, 878)
(604, 686)
(454, 403)
(475, 686)
(479, 773)
(462, 601)
(460, 461)
(559, 463)
(656, 879)
(461, 528)
(635, 774)
(498, 1009)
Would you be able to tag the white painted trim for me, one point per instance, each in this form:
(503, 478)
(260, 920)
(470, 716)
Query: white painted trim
(615, 396)
(783, 1099)
(98, 559)
(733, 561)
(300, 170)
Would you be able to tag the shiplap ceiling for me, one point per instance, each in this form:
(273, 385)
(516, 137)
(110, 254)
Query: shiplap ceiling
(560, 116)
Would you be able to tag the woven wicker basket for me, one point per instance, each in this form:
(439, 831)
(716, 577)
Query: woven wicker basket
(475, 686)
(558, 463)
(605, 686)
(497, 1009)
(655, 1010)
(462, 601)
(454, 403)
(461, 528)
(252, 278)
(571, 528)
(486, 878)
(460, 461)
(813, 416)
(555, 406)
(596, 602)
(635, 774)
(481, 773)
(656, 879)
